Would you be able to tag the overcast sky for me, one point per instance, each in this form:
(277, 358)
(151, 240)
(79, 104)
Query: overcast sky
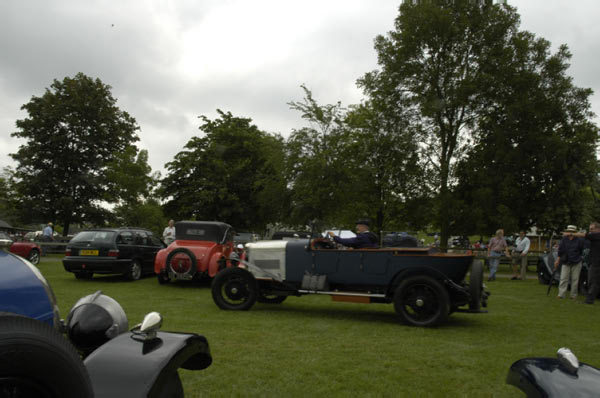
(170, 61)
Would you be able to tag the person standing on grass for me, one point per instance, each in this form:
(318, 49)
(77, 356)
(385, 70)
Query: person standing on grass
(169, 233)
(570, 254)
(495, 247)
(47, 236)
(519, 256)
(594, 266)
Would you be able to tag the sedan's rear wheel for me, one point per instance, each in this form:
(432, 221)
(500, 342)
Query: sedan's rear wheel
(234, 289)
(421, 301)
(34, 256)
(135, 270)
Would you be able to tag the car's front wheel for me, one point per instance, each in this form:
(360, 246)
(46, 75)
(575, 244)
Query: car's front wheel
(37, 361)
(34, 256)
(421, 301)
(234, 289)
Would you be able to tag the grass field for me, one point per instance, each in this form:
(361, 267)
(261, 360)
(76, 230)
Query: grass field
(313, 347)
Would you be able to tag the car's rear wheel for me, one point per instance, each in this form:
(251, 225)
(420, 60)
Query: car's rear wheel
(34, 256)
(84, 274)
(182, 262)
(37, 361)
(135, 270)
(270, 298)
(421, 301)
(234, 289)
(476, 285)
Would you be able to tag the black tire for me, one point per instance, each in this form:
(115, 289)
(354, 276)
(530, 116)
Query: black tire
(476, 285)
(234, 289)
(270, 298)
(84, 274)
(421, 301)
(34, 256)
(37, 361)
(191, 258)
(163, 278)
(135, 270)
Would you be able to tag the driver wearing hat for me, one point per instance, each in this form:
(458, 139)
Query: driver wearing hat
(364, 238)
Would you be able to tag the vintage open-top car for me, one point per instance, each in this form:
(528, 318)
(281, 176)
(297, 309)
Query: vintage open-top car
(424, 285)
(201, 248)
(38, 361)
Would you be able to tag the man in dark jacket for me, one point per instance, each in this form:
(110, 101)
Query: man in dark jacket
(364, 238)
(570, 253)
(594, 265)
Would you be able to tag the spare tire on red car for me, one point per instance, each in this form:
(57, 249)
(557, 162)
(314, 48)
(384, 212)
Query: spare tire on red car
(182, 262)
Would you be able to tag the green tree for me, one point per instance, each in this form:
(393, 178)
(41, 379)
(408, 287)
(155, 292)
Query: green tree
(383, 155)
(72, 132)
(8, 200)
(533, 161)
(317, 172)
(442, 62)
(232, 174)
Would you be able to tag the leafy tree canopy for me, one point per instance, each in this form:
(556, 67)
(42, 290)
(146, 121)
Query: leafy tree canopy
(72, 132)
(233, 174)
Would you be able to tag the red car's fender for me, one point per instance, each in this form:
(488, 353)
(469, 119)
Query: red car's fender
(23, 248)
(213, 265)
(160, 261)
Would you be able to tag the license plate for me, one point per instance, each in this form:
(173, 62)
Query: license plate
(88, 252)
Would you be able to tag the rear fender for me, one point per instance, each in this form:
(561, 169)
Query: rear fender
(160, 261)
(128, 366)
(414, 271)
(213, 265)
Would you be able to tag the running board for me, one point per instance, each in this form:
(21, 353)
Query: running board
(344, 294)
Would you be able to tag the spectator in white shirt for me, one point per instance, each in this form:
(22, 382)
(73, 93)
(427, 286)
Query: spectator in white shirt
(519, 256)
(169, 233)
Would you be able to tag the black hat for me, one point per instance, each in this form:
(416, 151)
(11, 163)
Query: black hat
(363, 221)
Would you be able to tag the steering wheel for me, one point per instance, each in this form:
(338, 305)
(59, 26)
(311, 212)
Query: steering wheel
(322, 244)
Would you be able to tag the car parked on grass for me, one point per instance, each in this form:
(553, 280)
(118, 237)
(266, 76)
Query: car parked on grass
(38, 361)
(126, 251)
(424, 285)
(200, 249)
(29, 250)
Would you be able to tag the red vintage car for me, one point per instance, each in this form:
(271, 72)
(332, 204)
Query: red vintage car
(29, 250)
(201, 248)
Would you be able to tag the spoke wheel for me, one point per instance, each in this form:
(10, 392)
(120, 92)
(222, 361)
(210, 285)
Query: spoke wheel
(34, 257)
(135, 270)
(234, 289)
(421, 301)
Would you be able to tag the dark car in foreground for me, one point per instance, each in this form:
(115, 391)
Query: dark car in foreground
(39, 361)
(126, 251)
(563, 376)
(29, 250)
(424, 285)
